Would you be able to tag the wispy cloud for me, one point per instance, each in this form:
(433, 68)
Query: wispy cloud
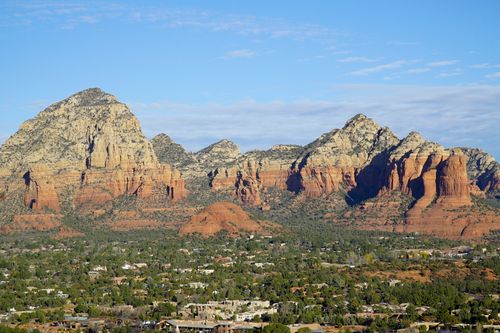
(243, 53)
(379, 68)
(313, 58)
(450, 115)
(357, 59)
(418, 70)
(493, 76)
(401, 43)
(69, 15)
(485, 66)
(452, 72)
(442, 63)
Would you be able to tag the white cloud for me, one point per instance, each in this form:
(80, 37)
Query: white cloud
(450, 115)
(379, 68)
(243, 53)
(357, 59)
(450, 73)
(418, 70)
(493, 76)
(69, 15)
(442, 63)
(316, 57)
(485, 65)
(402, 43)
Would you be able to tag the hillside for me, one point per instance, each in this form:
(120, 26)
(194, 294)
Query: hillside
(85, 158)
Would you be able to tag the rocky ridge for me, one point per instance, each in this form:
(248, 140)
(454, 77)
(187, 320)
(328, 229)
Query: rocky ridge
(172, 153)
(88, 150)
(483, 168)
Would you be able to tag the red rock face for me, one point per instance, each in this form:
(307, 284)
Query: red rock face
(443, 205)
(40, 193)
(248, 179)
(453, 184)
(435, 177)
(95, 187)
(442, 209)
(93, 150)
(101, 185)
(317, 181)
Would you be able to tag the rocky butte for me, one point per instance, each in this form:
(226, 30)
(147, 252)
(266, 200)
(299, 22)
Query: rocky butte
(84, 155)
(87, 149)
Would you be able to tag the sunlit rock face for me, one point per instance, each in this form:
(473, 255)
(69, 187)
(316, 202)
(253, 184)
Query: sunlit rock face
(90, 144)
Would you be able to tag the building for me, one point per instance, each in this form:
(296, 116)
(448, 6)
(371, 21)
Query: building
(188, 326)
(203, 326)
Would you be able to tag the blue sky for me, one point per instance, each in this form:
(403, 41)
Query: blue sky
(260, 72)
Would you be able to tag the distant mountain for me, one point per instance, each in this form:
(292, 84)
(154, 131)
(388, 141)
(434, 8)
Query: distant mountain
(171, 153)
(79, 155)
(86, 157)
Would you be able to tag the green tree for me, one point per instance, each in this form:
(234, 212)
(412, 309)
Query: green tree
(276, 328)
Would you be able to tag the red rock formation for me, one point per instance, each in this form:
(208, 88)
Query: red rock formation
(453, 184)
(40, 192)
(101, 185)
(248, 190)
(254, 172)
(221, 216)
(350, 159)
(93, 149)
(316, 181)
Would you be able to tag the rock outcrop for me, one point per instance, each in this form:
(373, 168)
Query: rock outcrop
(349, 159)
(40, 193)
(223, 217)
(483, 169)
(172, 153)
(87, 154)
(220, 153)
(89, 145)
(256, 170)
(428, 172)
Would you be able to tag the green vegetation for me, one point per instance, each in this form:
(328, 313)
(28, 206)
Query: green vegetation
(314, 273)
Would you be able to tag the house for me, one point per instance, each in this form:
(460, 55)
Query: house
(206, 271)
(188, 326)
(203, 326)
(61, 295)
(197, 285)
(93, 275)
(127, 267)
(394, 282)
(119, 280)
(100, 269)
(75, 322)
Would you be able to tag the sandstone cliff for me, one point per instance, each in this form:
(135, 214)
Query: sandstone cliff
(89, 147)
(87, 153)
(255, 171)
(364, 160)
(348, 159)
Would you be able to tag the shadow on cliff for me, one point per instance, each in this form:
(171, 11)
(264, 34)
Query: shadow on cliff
(369, 180)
